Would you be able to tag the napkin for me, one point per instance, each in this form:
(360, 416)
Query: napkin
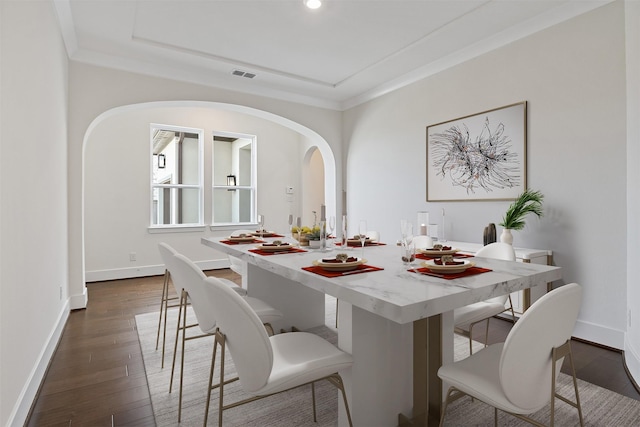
(362, 268)
(231, 242)
(468, 272)
(284, 251)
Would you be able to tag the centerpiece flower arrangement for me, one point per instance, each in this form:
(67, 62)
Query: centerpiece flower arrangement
(304, 234)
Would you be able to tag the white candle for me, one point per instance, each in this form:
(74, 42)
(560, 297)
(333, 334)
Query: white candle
(323, 214)
(423, 229)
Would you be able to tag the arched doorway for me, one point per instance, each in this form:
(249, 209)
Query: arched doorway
(307, 138)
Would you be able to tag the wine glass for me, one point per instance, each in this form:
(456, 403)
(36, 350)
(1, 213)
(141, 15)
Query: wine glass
(408, 252)
(362, 228)
(261, 224)
(406, 230)
(332, 226)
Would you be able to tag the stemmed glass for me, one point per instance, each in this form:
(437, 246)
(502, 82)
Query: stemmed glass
(332, 226)
(363, 234)
(261, 224)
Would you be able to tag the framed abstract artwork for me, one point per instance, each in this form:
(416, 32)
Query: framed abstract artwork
(478, 157)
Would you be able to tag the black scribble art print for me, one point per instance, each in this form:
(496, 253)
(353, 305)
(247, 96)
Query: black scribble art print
(478, 157)
(486, 161)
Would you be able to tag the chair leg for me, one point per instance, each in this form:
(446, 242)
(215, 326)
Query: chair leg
(513, 313)
(213, 365)
(313, 401)
(495, 417)
(184, 338)
(269, 329)
(162, 303)
(446, 403)
(575, 388)
(557, 354)
(336, 380)
(220, 401)
(486, 333)
(183, 304)
(471, 338)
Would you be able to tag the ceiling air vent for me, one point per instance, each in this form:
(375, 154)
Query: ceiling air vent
(241, 73)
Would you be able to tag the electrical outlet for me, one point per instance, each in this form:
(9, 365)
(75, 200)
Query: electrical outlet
(132, 256)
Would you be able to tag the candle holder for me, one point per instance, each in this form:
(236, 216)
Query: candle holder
(423, 223)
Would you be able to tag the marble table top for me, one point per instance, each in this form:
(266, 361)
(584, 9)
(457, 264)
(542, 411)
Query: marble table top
(395, 293)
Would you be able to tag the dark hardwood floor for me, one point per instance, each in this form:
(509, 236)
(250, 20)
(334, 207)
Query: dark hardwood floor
(96, 377)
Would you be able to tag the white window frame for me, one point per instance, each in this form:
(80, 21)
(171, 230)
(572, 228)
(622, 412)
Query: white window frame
(199, 186)
(253, 187)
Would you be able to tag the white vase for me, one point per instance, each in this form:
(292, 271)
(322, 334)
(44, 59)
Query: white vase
(506, 236)
(314, 244)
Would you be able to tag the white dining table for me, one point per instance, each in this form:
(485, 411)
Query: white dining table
(397, 324)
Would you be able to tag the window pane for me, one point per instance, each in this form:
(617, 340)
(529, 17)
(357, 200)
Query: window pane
(176, 158)
(172, 206)
(232, 206)
(232, 156)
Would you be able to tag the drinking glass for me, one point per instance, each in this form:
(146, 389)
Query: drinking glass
(408, 253)
(406, 230)
(261, 224)
(332, 226)
(362, 228)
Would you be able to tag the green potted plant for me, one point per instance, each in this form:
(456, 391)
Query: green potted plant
(527, 202)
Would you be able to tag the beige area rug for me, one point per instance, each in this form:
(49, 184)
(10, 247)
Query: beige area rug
(600, 407)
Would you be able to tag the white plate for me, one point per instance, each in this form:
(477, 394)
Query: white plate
(339, 266)
(241, 239)
(448, 269)
(358, 242)
(435, 252)
(275, 248)
(265, 234)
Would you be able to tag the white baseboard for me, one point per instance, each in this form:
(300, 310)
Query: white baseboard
(632, 361)
(599, 334)
(79, 301)
(20, 412)
(149, 270)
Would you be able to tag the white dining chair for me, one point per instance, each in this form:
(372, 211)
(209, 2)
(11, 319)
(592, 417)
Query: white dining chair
(373, 235)
(166, 253)
(268, 365)
(188, 276)
(519, 376)
(465, 318)
(422, 242)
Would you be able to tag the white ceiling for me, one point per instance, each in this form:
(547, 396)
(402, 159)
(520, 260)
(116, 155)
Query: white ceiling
(338, 56)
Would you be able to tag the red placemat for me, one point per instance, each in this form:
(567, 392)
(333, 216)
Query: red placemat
(423, 256)
(257, 234)
(231, 242)
(362, 268)
(468, 272)
(282, 252)
(359, 245)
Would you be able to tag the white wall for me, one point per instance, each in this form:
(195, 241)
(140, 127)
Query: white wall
(97, 93)
(573, 77)
(117, 201)
(632, 343)
(33, 208)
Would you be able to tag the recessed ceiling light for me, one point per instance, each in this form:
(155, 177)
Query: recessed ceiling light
(312, 4)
